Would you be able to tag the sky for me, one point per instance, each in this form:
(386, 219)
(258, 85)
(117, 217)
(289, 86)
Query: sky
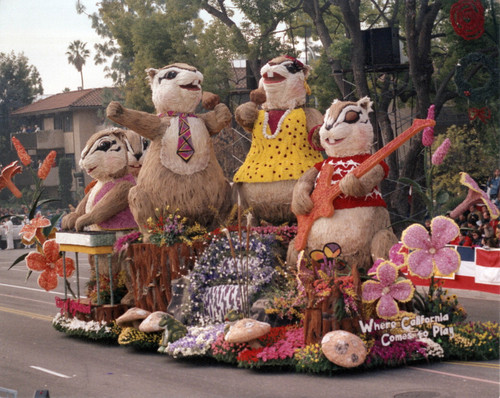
(43, 30)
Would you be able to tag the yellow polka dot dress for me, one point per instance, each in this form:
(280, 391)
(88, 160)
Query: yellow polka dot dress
(283, 155)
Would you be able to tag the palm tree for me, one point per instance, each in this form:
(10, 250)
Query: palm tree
(76, 55)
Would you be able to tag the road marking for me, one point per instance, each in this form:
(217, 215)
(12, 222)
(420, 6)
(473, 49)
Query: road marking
(478, 364)
(26, 298)
(26, 313)
(51, 372)
(29, 288)
(454, 375)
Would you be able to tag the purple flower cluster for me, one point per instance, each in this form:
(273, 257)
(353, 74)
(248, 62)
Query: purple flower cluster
(123, 243)
(197, 342)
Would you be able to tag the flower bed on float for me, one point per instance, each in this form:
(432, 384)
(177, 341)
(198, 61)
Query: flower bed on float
(396, 323)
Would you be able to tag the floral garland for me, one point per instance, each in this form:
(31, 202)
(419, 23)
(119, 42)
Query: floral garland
(465, 89)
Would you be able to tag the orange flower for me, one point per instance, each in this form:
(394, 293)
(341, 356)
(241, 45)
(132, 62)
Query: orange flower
(50, 263)
(28, 231)
(6, 178)
(47, 164)
(24, 157)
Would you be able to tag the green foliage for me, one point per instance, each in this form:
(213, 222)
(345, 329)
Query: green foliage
(470, 153)
(20, 83)
(322, 84)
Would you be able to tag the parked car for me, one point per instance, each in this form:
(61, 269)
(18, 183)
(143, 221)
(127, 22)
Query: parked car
(18, 224)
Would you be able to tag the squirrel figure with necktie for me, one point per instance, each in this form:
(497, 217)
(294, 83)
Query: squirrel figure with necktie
(180, 170)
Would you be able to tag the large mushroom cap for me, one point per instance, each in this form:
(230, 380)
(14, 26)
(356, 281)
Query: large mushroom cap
(343, 348)
(246, 330)
(132, 316)
(152, 322)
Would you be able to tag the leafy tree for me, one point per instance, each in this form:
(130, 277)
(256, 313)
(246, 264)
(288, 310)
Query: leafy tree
(77, 54)
(20, 83)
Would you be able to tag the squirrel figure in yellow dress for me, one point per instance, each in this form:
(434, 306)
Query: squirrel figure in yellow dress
(280, 152)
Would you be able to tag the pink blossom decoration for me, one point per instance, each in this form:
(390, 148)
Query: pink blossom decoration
(441, 151)
(428, 252)
(397, 255)
(428, 134)
(388, 289)
(474, 196)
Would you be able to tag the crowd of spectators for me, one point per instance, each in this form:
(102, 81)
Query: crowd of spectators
(477, 229)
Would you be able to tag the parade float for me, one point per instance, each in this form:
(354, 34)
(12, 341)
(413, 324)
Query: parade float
(229, 293)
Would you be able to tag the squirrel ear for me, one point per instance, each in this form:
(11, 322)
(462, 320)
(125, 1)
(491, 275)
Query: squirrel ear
(151, 73)
(366, 104)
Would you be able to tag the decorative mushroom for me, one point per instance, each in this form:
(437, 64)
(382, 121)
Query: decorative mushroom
(152, 322)
(474, 196)
(133, 317)
(343, 348)
(247, 330)
(6, 178)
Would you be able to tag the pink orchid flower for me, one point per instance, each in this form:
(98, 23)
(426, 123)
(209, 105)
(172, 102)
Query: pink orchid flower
(388, 290)
(428, 252)
(475, 195)
(397, 255)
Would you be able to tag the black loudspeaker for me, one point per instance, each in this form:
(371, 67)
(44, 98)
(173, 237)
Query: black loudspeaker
(381, 46)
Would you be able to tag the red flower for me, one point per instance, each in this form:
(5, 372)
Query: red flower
(28, 231)
(8, 172)
(50, 263)
(47, 164)
(24, 157)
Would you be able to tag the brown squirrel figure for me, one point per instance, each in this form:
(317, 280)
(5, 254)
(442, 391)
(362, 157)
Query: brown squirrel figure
(180, 170)
(280, 152)
(360, 223)
(105, 206)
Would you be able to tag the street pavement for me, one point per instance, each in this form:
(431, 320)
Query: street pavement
(34, 356)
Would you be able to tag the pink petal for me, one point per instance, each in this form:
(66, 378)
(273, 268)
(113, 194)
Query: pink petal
(40, 221)
(420, 264)
(36, 261)
(443, 231)
(402, 291)
(387, 273)
(51, 250)
(48, 280)
(371, 290)
(373, 269)
(387, 307)
(395, 254)
(416, 237)
(447, 261)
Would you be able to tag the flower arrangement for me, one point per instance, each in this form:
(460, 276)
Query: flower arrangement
(437, 300)
(90, 330)
(226, 262)
(277, 348)
(197, 342)
(119, 288)
(167, 228)
(473, 341)
(226, 352)
(133, 337)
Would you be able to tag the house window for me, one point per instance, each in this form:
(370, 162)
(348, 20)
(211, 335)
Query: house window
(63, 121)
